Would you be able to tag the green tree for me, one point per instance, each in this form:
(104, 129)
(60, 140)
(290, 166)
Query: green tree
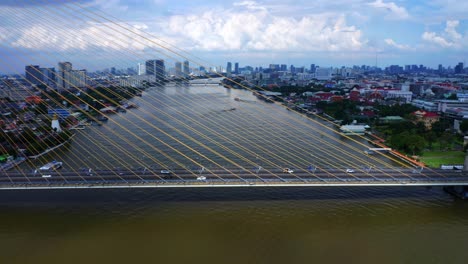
(440, 126)
(408, 142)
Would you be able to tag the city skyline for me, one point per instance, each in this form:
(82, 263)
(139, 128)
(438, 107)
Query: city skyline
(299, 33)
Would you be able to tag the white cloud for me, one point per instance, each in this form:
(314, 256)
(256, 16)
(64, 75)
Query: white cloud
(450, 38)
(395, 12)
(451, 31)
(392, 43)
(259, 30)
(103, 35)
(252, 5)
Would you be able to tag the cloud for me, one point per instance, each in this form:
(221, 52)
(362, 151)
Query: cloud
(392, 43)
(255, 29)
(252, 5)
(450, 38)
(25, 3)
(394, 12)
(91, 36)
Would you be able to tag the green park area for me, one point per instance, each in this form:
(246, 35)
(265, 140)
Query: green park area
(434, 159)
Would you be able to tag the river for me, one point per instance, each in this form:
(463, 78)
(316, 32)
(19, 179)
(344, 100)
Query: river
(225, 225)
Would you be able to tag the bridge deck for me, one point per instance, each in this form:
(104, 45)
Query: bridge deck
(230, 178)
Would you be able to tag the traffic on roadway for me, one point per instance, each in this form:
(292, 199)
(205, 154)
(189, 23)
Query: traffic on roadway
(257, 176)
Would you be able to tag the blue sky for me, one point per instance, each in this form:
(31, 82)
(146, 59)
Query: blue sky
(327, 33)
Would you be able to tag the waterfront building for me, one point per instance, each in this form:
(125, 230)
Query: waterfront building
(186, 68)
(229, 69)
(141, 69)
(156, 69)
(178, 69)
(160, 70)
(150, 67)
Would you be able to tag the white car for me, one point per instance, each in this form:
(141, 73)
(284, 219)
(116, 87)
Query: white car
(201, 178)
(288, 170)
(165, 172)
(46, 176)
(349, 170)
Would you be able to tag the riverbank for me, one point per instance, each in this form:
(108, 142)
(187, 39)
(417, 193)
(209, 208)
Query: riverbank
(435, 159)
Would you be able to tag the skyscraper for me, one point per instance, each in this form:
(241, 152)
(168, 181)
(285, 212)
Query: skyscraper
(49, 76)
(141, 69)
(160, 70)
(178, 69)
(229, 69)
(312, 68)
(63, 77)
(236, 68)
(150, 67)
(186, 68)
(33, 74)
(459, 68)
(156, 68)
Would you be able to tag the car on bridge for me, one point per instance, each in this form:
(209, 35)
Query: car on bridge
(349, 170)
(288, 170)
(166, 172)
(201, 178)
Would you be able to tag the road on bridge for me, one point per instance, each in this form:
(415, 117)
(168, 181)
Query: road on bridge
(234, 176)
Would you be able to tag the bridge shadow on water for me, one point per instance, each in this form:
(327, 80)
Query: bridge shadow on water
(157, 196)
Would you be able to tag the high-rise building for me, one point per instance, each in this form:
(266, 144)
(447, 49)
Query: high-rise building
(150, 67)
(160, 70)
(293, 69)
(236, 68)
(312, 68)
(49, 76)
(156, 68)
(459, 68)
(440, 68)
(33, 74)
(186, 68)
(78, 78)
(229, 69)
(178, 69)
(284, 67)
(63, 77)
(274, 67)
(141, 69)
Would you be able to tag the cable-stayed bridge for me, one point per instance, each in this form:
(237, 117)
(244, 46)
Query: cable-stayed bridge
(201, 134)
